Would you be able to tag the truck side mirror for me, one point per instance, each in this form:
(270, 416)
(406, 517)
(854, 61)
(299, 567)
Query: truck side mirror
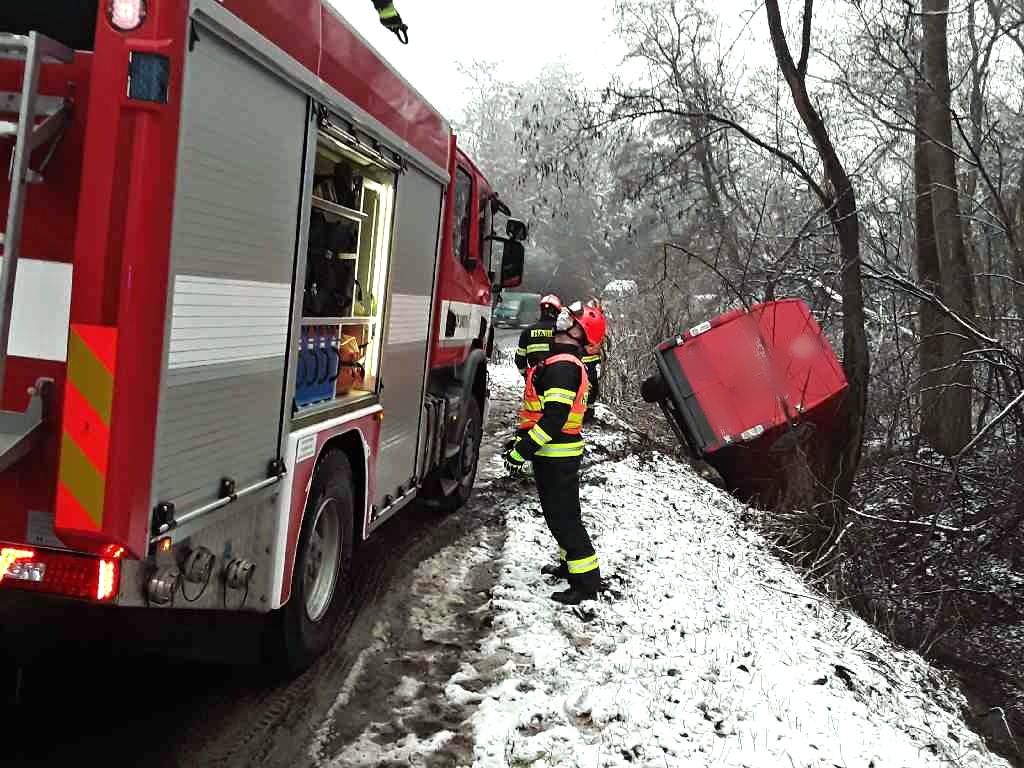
(512, 257)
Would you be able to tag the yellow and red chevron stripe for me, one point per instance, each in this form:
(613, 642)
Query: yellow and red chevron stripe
(85, 442)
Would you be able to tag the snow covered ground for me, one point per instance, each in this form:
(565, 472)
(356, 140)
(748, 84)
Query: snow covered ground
(712, 652)
(706, 651)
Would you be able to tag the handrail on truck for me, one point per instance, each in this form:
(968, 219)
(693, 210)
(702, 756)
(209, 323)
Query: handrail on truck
(19, 428)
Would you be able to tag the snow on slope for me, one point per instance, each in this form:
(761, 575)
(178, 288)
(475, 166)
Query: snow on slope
(712, 652)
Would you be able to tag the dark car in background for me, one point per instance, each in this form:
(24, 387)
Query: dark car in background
(517, 310)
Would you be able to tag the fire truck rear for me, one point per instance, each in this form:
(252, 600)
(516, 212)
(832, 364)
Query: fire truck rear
(245, 309)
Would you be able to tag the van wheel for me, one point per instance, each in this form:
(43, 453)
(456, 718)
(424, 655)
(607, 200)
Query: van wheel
(653, 389)
(322, 571)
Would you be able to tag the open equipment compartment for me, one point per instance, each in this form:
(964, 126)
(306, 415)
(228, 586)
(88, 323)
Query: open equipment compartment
(338, 344)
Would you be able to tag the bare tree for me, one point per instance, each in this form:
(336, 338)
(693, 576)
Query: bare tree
(841, 204)
(956, 277)
(929, 273)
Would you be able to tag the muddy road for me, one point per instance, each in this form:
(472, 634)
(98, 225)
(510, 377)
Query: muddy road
(397, 688)
(421, 593)
(145, 711)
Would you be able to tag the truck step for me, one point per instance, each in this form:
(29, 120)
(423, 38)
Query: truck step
(20, 430)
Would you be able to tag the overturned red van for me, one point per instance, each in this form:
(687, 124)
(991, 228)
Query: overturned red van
(745, 389)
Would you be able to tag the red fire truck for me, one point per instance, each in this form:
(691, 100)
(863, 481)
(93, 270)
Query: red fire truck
(245, 307)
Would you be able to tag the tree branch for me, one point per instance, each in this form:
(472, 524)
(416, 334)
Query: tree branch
(778, 34)
(805, 42)
(988, 427)
(921, 293)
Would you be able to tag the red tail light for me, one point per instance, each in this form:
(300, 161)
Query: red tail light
(126, 15)
(59, 573)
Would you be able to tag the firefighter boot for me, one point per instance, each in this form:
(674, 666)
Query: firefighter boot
(582, 586)
(560, 571)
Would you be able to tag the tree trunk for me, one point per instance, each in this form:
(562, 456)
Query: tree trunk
(846, 224)
(957, 280)
(929, 274)
(1016, 227)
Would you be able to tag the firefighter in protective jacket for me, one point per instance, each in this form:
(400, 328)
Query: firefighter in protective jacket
(593, 359)
(550, 427)
(535, 341)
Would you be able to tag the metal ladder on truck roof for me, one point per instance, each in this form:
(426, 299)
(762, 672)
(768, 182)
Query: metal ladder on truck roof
(19, 429)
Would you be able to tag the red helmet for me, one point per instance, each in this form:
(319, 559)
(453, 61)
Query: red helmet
(593, 322)
(551, 301)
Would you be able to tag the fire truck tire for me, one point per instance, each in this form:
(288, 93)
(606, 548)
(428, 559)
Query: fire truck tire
(322, 566)
(465, 463)
(653, 389)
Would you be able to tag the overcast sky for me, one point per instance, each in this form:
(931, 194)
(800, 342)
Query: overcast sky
(522, 35)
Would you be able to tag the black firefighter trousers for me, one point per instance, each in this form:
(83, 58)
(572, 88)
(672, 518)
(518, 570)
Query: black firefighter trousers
(558, 485)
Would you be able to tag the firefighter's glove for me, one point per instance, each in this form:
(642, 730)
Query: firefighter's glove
(391, 19)
(515, 464)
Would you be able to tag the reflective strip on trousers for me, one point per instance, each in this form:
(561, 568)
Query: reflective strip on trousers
(583, 565)
(561, 450)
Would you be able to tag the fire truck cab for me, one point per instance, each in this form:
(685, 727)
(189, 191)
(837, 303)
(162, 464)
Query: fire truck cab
(245, 307)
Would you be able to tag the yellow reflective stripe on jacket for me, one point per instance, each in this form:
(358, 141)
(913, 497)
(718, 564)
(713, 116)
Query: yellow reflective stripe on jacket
(558, 395)
(573, 423)
(583, 565)
(562, 450)
(520, 351)
(533, 404)
(559, 391)
(591, 359)
(539, 436)
(538, 348)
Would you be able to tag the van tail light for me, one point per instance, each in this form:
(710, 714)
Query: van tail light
(59, 573)
(126, 15)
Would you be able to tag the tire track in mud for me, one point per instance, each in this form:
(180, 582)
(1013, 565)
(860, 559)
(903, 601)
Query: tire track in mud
(274, 726)
(419, 687)
(309, 720)
(179, 714)
(394, 678)
(398, 685)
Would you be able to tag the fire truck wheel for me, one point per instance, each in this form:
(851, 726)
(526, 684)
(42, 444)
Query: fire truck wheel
(322, 564)
(653, 389)
(464, 465)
